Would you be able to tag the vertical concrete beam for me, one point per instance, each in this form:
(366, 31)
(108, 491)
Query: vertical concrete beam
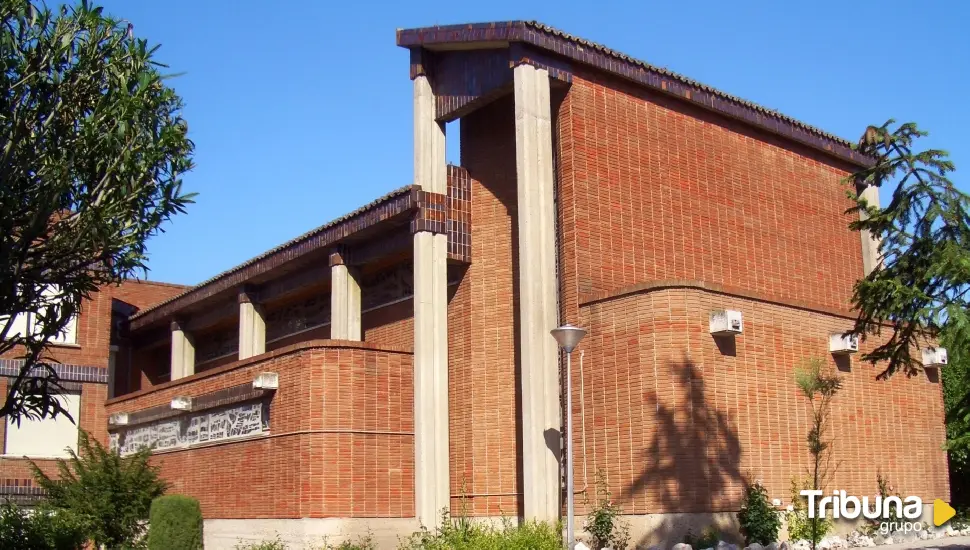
(870, 243)
(432, 490)
(252, 326)
(538, 296)
(344, 300)
(183, 352)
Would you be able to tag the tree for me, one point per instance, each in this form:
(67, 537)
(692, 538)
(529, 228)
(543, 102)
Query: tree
(924, 276)
(113, 493)
(92, 149)
(956, 389)
(819, 388)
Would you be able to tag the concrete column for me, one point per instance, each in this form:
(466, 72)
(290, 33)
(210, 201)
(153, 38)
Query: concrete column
(432, 489)
(183, 352)
(870, 244)
(538, 305)
(344, 300)
(252, 327)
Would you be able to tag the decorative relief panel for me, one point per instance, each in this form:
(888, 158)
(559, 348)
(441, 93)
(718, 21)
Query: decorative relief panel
(309, 313)
(387, 286)
(193, 428)
(225, 342)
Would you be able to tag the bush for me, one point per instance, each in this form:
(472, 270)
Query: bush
(603, 521)
(465, 535)
(360, 543)
(113, 493)
(275, 544)
(175, 523)
(709, 538)
(800, 526)
(41, 529)
(758, 519)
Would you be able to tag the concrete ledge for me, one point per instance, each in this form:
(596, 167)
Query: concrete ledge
(225, 534)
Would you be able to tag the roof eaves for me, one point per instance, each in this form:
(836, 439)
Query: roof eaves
(524, 31)
(288, 244)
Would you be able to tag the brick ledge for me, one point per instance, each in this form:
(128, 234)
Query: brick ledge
(587, 299)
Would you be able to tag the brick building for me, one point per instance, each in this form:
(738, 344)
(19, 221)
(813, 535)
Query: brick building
(397, 360)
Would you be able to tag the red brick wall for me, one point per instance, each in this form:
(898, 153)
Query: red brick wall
(677, 417)
(482, 328)
(661, 191)
(92, 348)
(143, 294)
(341, 437)
(391, 325)
(650, 190)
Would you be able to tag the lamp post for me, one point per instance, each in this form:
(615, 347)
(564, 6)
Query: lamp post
(568, 337)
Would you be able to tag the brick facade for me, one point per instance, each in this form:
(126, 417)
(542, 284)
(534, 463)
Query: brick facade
(90, 354)
(340, 441)
(672, 201)
(668, 212)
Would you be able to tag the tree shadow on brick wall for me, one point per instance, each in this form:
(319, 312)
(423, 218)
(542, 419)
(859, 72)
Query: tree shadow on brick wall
(692, 465)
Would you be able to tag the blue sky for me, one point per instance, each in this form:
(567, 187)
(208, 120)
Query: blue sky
(301, 111)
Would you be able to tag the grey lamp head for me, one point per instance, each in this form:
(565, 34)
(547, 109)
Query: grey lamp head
(568, 336)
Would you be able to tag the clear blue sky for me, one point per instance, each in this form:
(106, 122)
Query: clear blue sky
(301, 111)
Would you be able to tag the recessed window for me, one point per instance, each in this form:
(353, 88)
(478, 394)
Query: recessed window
(46, 438)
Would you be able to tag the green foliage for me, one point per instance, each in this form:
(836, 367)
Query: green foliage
(708, 538)
(175, 523)
(758, 519)
(92, 150)
(956, 400)
(603, 520)
(113, 493)
(275, 544)
(819, 387)
(41, 529)
(924, 247)
(465, 535)
(800, 526)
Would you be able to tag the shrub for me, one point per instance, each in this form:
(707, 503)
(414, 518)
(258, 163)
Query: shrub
(603, 521)
(113, 493)
(709, 538)
(275, 544)
(175, 523)
(41, 529)
(800, 526)
(465, 535)
(758, 519)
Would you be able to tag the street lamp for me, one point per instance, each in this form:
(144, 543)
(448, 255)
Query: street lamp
(568, 337)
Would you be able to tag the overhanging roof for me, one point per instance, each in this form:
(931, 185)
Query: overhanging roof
(564, 45)
(396, 202)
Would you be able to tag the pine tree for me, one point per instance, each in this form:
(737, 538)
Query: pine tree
(924, 276)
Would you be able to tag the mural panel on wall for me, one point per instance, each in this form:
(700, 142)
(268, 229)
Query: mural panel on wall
(193, 428)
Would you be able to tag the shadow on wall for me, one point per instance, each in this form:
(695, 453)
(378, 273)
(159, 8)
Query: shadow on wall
(692, 467)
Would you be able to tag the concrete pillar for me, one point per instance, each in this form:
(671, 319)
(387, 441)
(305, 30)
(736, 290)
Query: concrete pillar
(183, 352)
(252, 327)
(870, 244)
(432, 489)
(538, 304)
(344, 300)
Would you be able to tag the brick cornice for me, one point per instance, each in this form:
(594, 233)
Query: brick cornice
(591, 298)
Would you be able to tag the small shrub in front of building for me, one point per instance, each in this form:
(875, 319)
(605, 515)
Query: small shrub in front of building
(603, 521)
(175, 523)
(41, 529)
(758, 519)
(708, 538)
(460, 534)
(113, 493)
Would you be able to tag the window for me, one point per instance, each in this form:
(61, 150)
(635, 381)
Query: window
(48, 437)
(31, 322)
